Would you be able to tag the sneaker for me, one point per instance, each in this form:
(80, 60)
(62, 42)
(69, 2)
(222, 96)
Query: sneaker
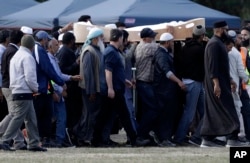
(194, 141)
(207, 143)
(220, 142)
(243, 139)
(109, 143)
(6, 147)
(167, 143)
(83, 143)
(48, 143)
(237, 143)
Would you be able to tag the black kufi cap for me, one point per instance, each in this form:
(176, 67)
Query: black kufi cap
(220, 24)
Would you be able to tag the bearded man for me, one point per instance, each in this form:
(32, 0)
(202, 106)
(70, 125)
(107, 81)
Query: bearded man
(92, 74)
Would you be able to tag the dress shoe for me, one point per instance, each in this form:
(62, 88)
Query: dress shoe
(155, 137)
(37, 149)
(194, 141)
(22, 148)
(6, 147)
(141, 142)
(167, 143)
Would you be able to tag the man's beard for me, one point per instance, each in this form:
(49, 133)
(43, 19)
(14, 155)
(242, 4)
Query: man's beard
(224, 37)
(245, 43)
(101, 45)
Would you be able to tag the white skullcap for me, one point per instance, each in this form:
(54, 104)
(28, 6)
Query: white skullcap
(112, 26)
(26, 30)
(232, 33)
(166, 37)
(60, 37)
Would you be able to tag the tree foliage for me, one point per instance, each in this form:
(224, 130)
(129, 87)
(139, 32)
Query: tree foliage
(234, 7)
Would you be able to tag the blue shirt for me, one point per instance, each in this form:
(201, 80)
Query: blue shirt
(113, 63)
(54, 62)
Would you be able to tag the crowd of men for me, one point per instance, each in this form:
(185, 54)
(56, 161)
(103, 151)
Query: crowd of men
(62, 94)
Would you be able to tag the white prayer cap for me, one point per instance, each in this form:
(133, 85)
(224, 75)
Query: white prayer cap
(60, 37)
(166, 37)
(112, 26)
(232, 34)
(26, 30)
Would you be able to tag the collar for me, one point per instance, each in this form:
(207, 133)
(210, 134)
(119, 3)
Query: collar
(14, 45)
(171, 54)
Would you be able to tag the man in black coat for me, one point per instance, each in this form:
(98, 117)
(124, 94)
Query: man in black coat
(220, 116)
(69, 64)
(165, 87)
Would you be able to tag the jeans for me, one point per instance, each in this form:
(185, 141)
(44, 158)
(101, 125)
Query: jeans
(60, 115)
(245, 110)
(149, 110)
(194, 101)
(129, 101)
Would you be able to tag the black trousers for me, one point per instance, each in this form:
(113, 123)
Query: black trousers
(85, 127)
(108, 109)
(74, 104)
(43, 105)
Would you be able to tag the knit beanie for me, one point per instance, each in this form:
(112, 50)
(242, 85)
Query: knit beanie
(28, 41)
(199, 30)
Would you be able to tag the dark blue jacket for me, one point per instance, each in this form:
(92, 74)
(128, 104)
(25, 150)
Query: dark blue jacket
(113, 62)
(163, 63)
(45, 70)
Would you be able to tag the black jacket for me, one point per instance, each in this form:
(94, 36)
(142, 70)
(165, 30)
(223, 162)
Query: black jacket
(163, 63)
(7, 55)
(67, 61)
(192, 61)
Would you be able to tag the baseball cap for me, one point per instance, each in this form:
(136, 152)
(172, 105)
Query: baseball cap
(199, 30)
(166, 37)
(43, 35)
(147, 32)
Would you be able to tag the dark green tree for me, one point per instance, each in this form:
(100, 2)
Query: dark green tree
(234, 7)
